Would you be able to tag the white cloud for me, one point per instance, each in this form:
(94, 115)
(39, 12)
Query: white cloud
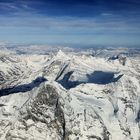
(106, 14)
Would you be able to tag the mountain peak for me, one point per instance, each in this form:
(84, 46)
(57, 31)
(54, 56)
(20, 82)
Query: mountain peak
(61, 54)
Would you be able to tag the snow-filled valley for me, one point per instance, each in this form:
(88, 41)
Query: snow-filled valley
(67, 95)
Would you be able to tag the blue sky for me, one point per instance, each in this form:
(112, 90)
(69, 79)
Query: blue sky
(88, 22)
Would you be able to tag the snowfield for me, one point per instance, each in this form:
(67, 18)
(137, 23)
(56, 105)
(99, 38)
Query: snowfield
(87, 95)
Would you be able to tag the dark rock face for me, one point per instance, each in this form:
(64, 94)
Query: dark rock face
(47, 108)
(120, 58)
(138, 116)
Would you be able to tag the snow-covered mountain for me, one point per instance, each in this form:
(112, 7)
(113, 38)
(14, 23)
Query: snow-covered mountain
(69, 96)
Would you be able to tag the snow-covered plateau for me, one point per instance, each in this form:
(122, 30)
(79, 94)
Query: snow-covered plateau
(67, 95)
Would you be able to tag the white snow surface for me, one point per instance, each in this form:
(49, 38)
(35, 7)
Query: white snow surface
(66, 96)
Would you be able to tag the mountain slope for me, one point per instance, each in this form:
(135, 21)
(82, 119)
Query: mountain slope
(69, 97)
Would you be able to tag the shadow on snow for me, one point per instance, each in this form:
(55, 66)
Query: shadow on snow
(24, 87)
(97, 77)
